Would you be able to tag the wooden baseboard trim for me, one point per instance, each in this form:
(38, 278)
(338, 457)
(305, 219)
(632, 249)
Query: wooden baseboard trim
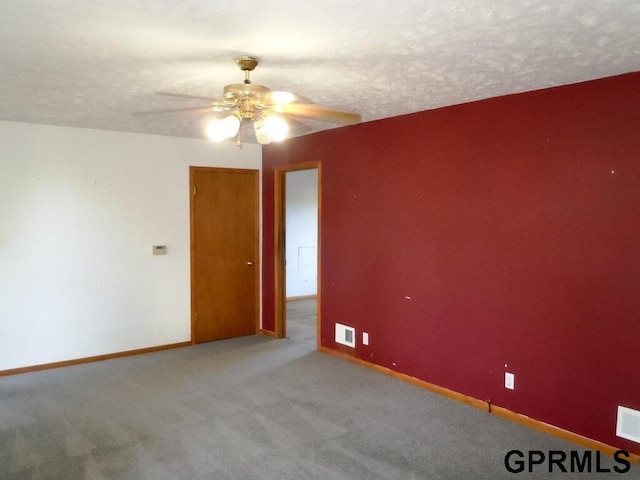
(96, 358)
(268, 333)
(552, 430)
(302, 297)
(586, 442)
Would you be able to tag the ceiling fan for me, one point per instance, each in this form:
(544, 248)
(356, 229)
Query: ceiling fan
(271, 113)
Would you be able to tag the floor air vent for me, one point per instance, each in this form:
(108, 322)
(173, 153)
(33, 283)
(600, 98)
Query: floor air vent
(628, 425)
(345, 335)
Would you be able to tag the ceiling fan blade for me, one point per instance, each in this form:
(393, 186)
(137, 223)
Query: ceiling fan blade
(177, 110)
(323, 114)
(297, 128)
(183, 95)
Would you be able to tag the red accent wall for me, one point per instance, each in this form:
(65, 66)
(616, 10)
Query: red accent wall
(499, 232)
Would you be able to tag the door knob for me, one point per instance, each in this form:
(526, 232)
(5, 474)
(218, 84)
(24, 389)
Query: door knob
(250, 264)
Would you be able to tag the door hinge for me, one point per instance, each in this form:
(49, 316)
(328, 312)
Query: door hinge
(195, 317)
(194, 189)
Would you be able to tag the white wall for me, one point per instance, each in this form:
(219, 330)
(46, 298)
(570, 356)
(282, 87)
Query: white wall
(79, 212)
(301, 233)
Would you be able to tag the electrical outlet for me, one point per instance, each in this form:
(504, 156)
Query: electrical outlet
(509, 380)
(365, 338)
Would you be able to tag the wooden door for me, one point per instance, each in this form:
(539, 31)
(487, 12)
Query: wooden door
(224, 253)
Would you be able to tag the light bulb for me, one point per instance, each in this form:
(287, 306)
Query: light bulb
(276, 128)
(227, 127)
(282, 97)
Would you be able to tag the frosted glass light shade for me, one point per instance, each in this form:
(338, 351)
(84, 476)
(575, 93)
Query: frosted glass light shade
(227, 127)
(276, 128)
(262, 136)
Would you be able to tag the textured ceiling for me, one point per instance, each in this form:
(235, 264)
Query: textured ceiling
(92, 63)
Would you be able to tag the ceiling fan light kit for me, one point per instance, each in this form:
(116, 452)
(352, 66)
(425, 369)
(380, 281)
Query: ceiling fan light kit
(270, 112)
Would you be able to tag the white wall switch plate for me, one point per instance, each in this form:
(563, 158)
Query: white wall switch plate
(365, 338)
(509, 380)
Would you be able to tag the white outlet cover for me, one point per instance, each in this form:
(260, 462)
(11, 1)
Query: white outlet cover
(509, 380)
(365, 338)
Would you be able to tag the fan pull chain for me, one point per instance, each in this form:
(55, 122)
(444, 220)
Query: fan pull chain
(239, 141)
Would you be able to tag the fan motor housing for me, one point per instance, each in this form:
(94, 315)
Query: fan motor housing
(248, 97)
(249, 91)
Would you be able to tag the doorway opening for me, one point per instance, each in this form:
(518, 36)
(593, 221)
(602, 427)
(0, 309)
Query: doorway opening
(297, 193)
